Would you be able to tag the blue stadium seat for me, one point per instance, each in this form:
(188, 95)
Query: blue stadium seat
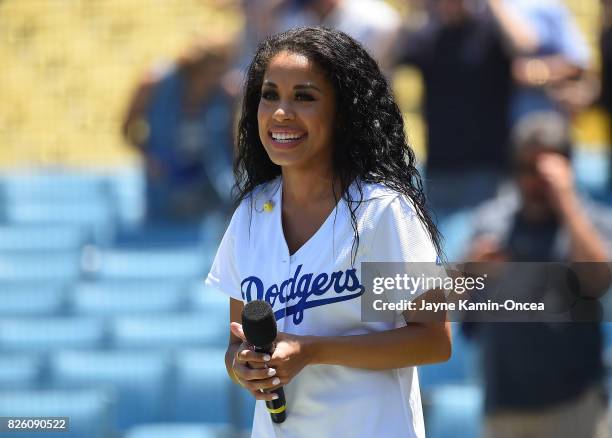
(122, 187)
(139, 379)
(177, 430)
(462, 367)
(210, 302)
(455, 411)
(20, 371)
(152, 264)
(45, 334)
(127, 190)
(56, 266)
(41, 238)
(159, 235)
(606, 328)
(31, 299)
(128, 297)
(168, 331)
(591, 168)
(246, 403)
(213, 227)
(96, 216)
(203, 388)
(53, 186)
(90, 411)
(457, 231)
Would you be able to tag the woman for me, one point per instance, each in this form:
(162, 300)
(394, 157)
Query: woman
(325, 181)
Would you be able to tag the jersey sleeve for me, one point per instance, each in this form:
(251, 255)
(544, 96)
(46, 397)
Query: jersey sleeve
(223, 274)
(401, 237)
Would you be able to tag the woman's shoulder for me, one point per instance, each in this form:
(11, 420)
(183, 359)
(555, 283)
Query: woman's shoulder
(380, 198)
(391, 228)
(381, 206)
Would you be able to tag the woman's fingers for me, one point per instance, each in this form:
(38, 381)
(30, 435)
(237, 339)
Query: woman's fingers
(245, 355)
(257, 380)
(247, 374)
(262, 385)
(267, 396)
(237, 331)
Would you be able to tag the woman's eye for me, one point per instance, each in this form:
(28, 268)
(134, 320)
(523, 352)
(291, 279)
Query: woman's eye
(269, 95)
(304, 96)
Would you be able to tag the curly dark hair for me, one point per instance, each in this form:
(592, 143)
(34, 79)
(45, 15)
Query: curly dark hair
(369, 140)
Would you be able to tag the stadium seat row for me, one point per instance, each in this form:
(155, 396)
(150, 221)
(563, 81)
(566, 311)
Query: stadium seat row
(108, 298)
(141, 331)
(145, 386)
(93, 263)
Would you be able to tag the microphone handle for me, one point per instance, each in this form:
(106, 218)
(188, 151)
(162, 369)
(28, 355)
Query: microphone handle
(277, 408)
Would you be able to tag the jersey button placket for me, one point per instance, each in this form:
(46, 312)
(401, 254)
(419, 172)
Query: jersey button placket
(286, 260)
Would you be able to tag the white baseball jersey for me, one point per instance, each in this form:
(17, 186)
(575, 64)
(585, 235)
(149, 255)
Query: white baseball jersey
(316, 291)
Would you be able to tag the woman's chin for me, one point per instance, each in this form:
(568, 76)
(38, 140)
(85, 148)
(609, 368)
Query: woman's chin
(284, 157)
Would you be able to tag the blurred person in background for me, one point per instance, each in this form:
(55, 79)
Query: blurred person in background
(374, 23)
(261, 19)
(605, 47)
(465, 59)
(554, 74)
(180, 120)
(543, 379)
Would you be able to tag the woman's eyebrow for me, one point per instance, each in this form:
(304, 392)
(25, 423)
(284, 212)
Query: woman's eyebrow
(305, 86)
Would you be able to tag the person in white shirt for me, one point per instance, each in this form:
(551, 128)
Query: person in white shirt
(326, 181)
(374, 23)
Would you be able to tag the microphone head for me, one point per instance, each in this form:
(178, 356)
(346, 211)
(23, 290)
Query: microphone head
(258, 323)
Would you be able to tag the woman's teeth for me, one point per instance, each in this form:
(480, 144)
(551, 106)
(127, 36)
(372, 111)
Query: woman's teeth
(286, 138)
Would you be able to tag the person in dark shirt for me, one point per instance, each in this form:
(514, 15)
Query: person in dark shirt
(466, 69)
(605, 50)
(543, 379)
(466, 60)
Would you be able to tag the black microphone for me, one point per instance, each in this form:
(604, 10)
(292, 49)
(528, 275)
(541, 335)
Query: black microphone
(259, 328)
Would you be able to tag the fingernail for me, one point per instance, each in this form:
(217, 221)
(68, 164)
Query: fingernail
(271, 371)
(267, 357)
(274, 396)
(276, 381)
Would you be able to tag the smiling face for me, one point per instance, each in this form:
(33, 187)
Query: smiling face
(296, 113)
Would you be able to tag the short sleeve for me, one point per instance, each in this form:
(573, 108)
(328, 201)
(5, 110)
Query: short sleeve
(573, 44)
(401, 237)
(223, 274)
(556, 29)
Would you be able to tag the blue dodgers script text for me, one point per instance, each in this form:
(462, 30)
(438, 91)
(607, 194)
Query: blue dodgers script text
(297, 290)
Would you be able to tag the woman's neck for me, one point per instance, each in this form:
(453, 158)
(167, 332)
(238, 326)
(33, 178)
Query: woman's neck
(305, 187)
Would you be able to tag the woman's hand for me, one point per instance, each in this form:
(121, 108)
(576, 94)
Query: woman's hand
(289, 357)
(251, 369)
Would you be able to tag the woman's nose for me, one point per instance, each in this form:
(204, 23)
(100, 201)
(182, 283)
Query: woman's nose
(283, 112)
